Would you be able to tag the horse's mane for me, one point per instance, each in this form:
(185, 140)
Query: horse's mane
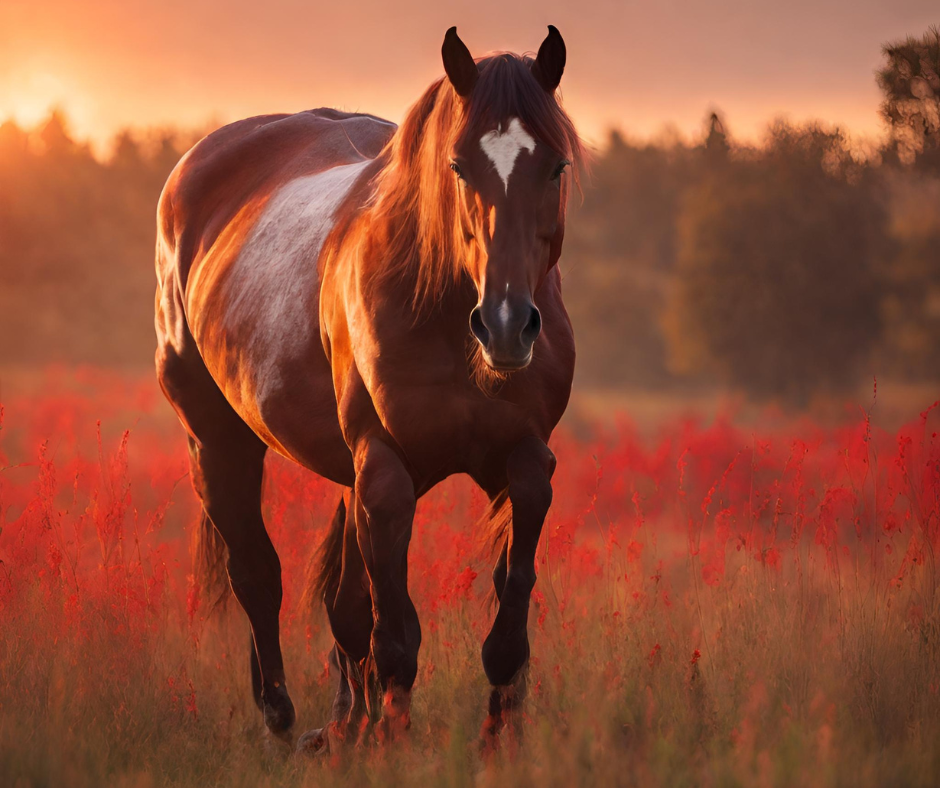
(415, 192)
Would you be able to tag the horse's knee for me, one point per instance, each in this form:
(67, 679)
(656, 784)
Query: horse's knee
(530, 468)
(385, 497)
(531, 495)
(384, 488)
(531, 456)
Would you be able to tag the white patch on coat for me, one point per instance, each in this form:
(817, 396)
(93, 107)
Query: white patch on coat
(502, 147)
(273, 284)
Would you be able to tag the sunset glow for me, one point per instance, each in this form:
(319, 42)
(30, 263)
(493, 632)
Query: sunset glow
(641, 69)
(27, 96)
(469, 394)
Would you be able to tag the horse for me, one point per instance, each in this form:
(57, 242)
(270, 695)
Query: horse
(383, 306)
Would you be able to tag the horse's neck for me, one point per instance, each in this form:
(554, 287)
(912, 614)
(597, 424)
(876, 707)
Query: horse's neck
(405, 287)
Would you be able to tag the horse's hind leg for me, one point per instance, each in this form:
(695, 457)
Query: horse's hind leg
(350, 614)
(349, 608)
(227, 464)
(229, 483)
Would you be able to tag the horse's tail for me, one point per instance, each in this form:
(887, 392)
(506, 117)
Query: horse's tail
(209, 563)
(496, 524)
(323, 574)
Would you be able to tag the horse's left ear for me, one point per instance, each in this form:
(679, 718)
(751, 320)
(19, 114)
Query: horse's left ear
(549, 64)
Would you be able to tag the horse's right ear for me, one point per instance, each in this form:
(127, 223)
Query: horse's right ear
(458, 63)
(550, 62)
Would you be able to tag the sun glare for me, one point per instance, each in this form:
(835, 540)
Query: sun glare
(29, 96)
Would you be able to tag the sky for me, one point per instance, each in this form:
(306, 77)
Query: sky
(639, 67)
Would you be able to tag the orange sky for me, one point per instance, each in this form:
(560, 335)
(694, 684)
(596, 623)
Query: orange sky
(638, 66)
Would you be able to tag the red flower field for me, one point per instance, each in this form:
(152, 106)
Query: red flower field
(716, 604)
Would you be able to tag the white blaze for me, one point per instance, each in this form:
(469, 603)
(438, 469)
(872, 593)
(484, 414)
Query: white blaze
(502, 148)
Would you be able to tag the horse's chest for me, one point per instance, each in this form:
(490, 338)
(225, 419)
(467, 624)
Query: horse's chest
(443, 432)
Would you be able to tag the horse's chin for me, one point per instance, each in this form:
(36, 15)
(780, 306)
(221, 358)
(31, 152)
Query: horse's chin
(506, 366)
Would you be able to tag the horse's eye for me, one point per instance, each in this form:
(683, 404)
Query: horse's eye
(456, 168)
(560, 169)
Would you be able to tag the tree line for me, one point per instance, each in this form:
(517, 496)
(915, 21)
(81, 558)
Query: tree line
(787, 268)
(799, 266)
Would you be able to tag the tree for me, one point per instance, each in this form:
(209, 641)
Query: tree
(13, 140)
(127, 156)
(776, 289)
(716, 140)
(911, 85)
(54, 135)
(619, 248)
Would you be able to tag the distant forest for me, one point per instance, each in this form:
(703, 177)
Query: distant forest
(786, 269)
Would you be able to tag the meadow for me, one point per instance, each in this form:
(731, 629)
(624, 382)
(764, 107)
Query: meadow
(718, 603)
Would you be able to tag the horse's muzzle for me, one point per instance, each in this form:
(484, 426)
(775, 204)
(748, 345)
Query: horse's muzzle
(506, 331)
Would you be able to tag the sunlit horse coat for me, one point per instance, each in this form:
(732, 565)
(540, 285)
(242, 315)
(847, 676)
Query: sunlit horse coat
(383, 306)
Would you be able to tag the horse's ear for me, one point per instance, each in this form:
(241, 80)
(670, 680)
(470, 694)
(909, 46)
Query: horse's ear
(458, 63)
(549, 64)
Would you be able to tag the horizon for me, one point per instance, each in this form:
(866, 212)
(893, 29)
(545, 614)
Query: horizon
(673, 67)
(102, 147)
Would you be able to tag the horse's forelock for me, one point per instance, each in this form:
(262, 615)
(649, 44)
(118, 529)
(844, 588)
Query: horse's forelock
(508, 89)
(416, 194)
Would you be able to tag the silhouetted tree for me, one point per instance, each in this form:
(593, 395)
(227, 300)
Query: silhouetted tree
(54, 135)
(13, 140)
(127, 153)
(910, 82)
(716, 141)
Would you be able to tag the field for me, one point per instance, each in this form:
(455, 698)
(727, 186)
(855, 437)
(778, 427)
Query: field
(717, 604)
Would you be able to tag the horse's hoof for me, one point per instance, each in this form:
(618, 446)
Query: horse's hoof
(278, 711)
(314, 743)
(276, 746)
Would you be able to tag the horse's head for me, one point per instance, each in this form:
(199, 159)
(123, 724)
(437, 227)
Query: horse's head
(510, 158)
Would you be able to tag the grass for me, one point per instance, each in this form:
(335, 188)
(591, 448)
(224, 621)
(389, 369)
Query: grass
(716, 605)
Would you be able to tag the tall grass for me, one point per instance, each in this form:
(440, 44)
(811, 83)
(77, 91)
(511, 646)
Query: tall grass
(714, 607)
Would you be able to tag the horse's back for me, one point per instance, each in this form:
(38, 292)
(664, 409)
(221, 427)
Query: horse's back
(241, 224)
(245, 160)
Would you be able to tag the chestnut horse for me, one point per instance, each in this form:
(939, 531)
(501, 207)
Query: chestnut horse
(381, 305)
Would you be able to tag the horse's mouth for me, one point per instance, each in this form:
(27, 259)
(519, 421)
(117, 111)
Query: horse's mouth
(504, 365)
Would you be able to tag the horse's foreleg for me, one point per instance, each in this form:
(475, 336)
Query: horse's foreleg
(385, 507)
(506, 649)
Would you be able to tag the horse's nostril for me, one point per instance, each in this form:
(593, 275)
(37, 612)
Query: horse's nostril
(533, 328)
(478, 328)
